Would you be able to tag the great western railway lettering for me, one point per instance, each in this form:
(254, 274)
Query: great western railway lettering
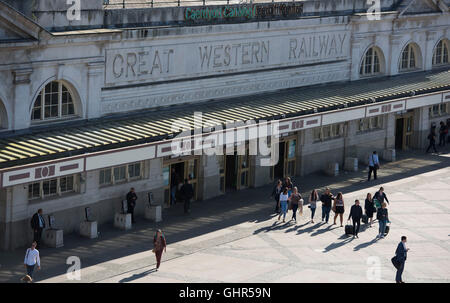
(237, 54)
(319, 46)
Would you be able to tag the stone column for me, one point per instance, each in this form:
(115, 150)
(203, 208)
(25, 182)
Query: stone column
(209, 178)
(21, 103)
(92, 108)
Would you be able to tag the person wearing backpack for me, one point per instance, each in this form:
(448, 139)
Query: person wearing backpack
(374, 165)
(159, 242)
(432, 138)
(383, 218)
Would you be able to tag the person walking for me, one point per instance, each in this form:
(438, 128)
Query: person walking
(283, 204)
(326, 199)
(369, 208)
(131, 203)
(187, 192)
(401, 254)
(289, 185)
(383, 219)
(313, 198)
(374, 165)
(432, 138)
(276, 194)
(37, 224)
(160, 244)
(380, 196)
(443, 130)
(294, 201)
(356, 213)
(339, 208)
(32, 259)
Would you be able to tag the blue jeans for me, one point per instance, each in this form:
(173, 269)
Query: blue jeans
(30, 270)
(326, 212)
(398, 276)
(284, 208)
(313, 211)
(382, 227)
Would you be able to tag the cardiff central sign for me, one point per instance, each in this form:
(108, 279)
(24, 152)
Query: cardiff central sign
(253, 11)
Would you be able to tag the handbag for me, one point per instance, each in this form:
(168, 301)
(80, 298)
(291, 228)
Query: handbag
(395, 262)
(375, 165)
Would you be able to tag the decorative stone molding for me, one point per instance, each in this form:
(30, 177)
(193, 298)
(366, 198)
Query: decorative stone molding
(22, 76)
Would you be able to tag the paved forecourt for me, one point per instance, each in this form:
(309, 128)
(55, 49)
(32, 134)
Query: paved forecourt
(270, 251)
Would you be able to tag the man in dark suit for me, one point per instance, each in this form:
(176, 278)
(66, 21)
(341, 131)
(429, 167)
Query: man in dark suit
(131, 203)
(356, 213)
(401, 254)
(37, 224)
(187, 192)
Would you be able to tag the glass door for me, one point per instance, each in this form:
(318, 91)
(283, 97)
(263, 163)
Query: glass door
(243, 170)
(408, 131)
(166, 184)
(290, 159)
(191, 173)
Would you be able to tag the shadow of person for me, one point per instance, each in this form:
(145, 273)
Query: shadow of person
(137, 276)
(332, 246)
(364, 245)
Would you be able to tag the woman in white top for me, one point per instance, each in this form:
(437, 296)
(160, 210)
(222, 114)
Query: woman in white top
(283, 203)
(313, 198)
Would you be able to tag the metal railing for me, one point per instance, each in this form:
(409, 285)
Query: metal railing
(116, 4)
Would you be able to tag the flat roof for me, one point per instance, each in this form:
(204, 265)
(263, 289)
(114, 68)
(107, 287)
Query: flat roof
(152, 126)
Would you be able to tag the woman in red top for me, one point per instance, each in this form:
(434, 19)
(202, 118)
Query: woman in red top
(159, 242)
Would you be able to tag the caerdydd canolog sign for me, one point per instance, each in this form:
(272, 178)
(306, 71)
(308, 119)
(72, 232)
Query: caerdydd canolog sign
(210, 57)
(254, 11)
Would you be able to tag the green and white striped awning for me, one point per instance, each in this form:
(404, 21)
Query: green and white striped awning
(106, 134)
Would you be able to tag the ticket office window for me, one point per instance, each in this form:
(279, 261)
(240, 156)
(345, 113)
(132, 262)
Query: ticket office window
(53, 187)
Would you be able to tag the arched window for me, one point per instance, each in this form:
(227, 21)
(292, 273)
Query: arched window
(54, 101)
(410, 58)
(440, 54)
(371, 63)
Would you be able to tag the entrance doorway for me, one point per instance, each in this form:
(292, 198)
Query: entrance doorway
(174, 174)
(404, 131)
(234, 171)
(287, 159)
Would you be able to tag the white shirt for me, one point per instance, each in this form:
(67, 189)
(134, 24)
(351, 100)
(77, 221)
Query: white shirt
(373, 159)
(41, 221)
(284, 198)
(32, 257)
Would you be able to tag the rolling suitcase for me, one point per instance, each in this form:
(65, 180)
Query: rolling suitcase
(365, 219)
(349, 229)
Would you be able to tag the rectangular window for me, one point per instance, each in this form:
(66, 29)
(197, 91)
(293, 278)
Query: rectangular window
(66, 184)
(34, 191)
(439, 110)
(328, 132)
(53, 187)
(105, 176)
(372, 123)
(134, 170)
(120, 174)
(49, 187)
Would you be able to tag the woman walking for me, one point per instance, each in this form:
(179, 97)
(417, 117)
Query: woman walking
(283, 204)
(288, 184)
(276, 194)
(369, 208)
(159, 242)
(313, 198)
(339, 208)
(294, 199)
(383, 219)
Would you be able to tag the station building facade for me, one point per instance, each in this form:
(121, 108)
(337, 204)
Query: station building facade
(87, 113)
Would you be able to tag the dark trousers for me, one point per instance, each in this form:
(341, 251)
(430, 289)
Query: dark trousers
(326, 213)
(398, 276)
(131, 211)
(187, 205)
(30, 270)
(356, 226)
(313, 211)
(432, 145)
(374, 170)
(158, 254)
(277, 207)
(294, 211)
(442, 139)
(37, 235)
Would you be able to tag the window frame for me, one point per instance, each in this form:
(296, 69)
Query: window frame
(42, 108)
(335, 131)
(444, 52)
(411, 53)
(58, 193)
(376, 59)
(127, 178)
(367, 124)
(441, 112)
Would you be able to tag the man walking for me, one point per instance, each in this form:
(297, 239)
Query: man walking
(187, 192)
(432, 138)
(326, 204)
(401, 254)
(131, 203)
(443, 130)
(356, 213)
(374, 165)
(37, 224)
(31, 259)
